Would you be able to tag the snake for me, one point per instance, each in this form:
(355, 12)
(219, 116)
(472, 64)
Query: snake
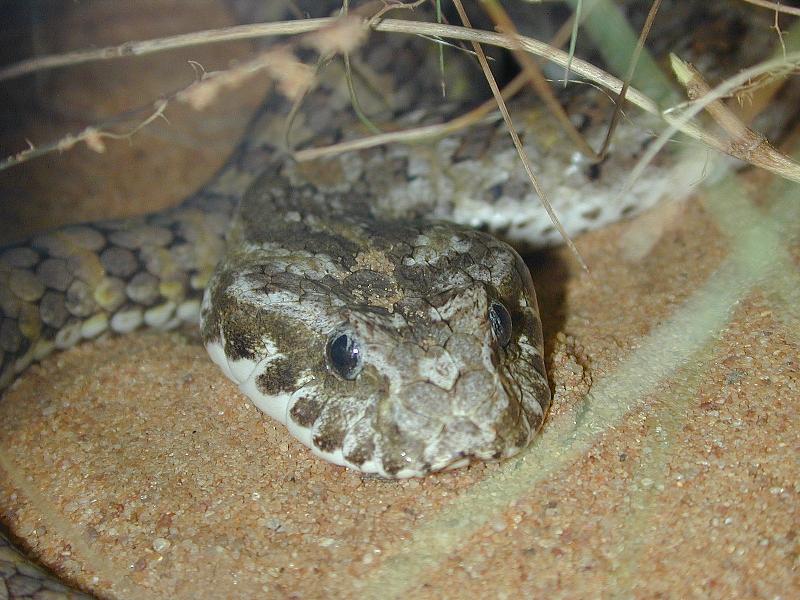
(374, 303)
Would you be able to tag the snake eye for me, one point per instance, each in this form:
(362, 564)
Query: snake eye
(344, 356)
(500, 319)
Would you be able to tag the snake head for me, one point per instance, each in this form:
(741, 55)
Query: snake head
(405, 360)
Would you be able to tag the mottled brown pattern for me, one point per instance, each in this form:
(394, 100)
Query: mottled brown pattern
(306, 411)
(278, 377)
(78, 282)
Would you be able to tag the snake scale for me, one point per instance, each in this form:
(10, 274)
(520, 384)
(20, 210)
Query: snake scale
(373, 303)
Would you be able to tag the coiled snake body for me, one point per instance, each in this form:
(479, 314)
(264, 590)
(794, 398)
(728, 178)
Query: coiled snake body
(362, 301)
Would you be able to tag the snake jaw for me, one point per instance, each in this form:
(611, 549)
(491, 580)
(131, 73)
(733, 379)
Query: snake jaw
(395, 424)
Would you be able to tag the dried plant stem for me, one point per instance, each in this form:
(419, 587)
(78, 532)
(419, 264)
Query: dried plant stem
(620, 103)
(582, 68)
(784, 166)
(351, 88)
(285, 28)
(415, 134)
(756, 96)
(776, 6)
(292, 77)
(604, 79)
(745, 143)
(209, 36)
(537, 78)
(577, 14)
(523, 155)
(92, 136)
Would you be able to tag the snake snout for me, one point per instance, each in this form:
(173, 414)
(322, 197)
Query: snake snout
(443, 420)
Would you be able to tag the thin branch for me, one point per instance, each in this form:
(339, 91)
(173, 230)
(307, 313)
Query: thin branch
(786, 167)
(439, 17)
(285, 28)
(92, 136)
(297, 103)
(537, 78)
(746, 144)
(776, 6)
(292, 77)
(390, 7)
(351, 88)
(142, 48)
(558, 57)
(581, 67)
(523, 155)
(414, 134)
(619, 105)
(573, 38)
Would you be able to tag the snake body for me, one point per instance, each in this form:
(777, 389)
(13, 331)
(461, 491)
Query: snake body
(373, 302)
(392, 251)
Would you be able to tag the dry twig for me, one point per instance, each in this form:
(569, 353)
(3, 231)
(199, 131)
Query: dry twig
(620, 103)
(582, 68)
(537, 78)
(745, 143)
(523, 155)
(776, 6)
(414, 134)
(92, 136)
(782, 166)
(142, 48)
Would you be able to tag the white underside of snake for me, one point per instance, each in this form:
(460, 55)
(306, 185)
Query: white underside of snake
(362, 301)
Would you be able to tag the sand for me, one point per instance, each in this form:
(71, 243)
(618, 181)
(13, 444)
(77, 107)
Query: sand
(668, 466)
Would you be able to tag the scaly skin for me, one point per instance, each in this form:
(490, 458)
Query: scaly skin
(391, 246)
(79, 282)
